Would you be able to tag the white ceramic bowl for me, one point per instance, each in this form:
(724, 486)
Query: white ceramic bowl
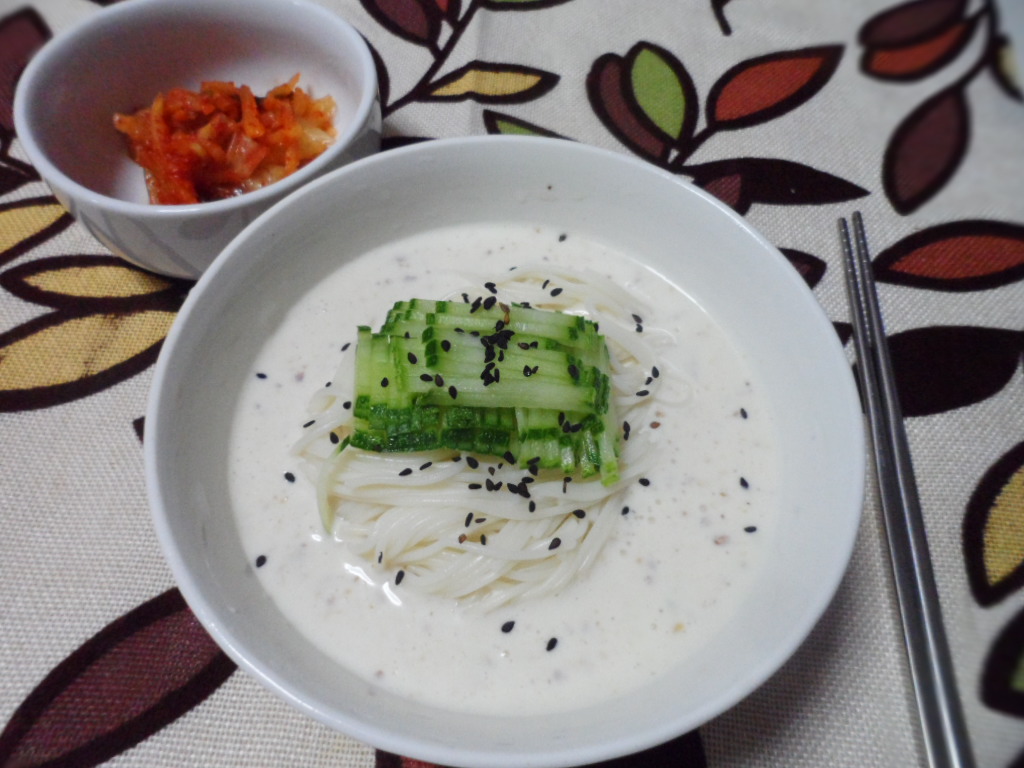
(119, 59)
(739, 278)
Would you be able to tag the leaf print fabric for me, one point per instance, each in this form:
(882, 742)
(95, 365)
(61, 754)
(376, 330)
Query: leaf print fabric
(790, 113)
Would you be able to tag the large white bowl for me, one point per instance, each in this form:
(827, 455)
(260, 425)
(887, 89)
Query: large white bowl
(119, 59)
(679, 230)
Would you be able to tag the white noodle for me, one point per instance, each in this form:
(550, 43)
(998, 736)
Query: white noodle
(416, 512)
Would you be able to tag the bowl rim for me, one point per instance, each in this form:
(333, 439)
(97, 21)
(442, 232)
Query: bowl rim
(379, 734)
(50, 52)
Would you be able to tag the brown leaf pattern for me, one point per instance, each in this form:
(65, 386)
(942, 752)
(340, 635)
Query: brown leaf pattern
(139, 673)
(926, 149)
(941, 368)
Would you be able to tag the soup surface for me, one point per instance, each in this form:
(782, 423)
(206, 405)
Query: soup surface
(692, 533)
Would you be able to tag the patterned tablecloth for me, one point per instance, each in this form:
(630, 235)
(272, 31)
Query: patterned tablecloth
(794, 113)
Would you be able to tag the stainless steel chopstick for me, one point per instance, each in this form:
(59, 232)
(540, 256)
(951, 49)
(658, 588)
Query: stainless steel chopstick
(931, 668)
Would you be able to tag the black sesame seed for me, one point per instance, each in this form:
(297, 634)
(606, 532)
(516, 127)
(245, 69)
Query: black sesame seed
(453, 391)
(380, 557)
(556, 291)
(637, 318)
(643, 393)
(328, 384)
(424, 466)
(469, 519)
(512, 487)
(625, 430)
(345, 346)
(347, 404)
(648, 381)
(491, 287)
(507, 626)
(743, 412)
(545, 284)
(552, 643)
(744, 483)
(479, 520)
(533, 506)
(750, 528)
(398, 577)
(446, 345)
(579, 513)
(405, 472)
(261, 560)
(574, 371)
(483, 539)
(426, 377)
(289, 477)
(527, 371)
(507, 456)
(561, 238)
(555, 543)
(472, 462)
(438, 380)
(309, 423)
(412, 358)
(475, 305)
(639, 328)
(334, 438)
(565, 483)
(261, 375)
(489, 302)
(384, 381)
(465, 298)
(474, 486)
(625, 510)
(655, 372)
(644, 481)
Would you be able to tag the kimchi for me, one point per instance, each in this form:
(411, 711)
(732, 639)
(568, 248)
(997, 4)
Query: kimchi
(223, 140)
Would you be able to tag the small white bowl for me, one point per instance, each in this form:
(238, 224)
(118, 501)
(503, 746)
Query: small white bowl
(744, 283)
(119, 59)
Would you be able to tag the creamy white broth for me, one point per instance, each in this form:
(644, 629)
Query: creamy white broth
(671, 575)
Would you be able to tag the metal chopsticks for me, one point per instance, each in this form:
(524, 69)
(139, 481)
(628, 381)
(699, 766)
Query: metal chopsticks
(942, 720)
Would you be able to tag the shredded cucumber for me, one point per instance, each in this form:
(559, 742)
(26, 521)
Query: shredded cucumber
(530, 385)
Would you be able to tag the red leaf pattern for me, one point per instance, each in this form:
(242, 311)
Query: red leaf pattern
(917, 60)
(761, 89)
(958, 256)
